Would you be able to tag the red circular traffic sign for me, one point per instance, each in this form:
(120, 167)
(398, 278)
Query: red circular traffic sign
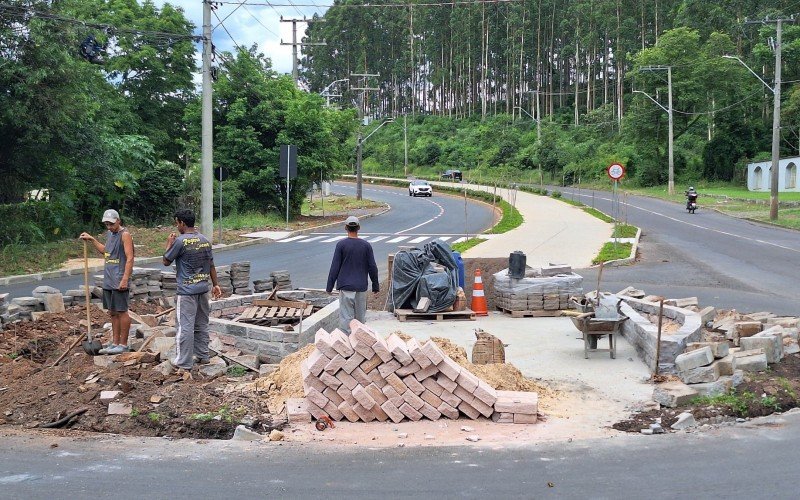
(616, 171)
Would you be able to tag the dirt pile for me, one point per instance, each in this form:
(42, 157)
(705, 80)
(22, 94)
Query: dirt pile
(283, 383)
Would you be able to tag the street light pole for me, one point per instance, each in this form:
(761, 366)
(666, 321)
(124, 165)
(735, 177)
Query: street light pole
(671, 161)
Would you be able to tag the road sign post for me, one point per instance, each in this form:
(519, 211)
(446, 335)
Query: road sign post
(615, 171)
(288, 169)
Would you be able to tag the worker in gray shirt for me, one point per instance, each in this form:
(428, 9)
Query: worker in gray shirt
(194, 262)
(353, 261)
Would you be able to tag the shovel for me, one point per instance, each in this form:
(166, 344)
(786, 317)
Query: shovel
(90, 347)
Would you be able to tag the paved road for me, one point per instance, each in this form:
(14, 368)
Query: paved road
(747, 461)
(411, 221)
(726, 262)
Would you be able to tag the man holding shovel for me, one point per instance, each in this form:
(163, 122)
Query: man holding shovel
(194, 263)
(118, 254)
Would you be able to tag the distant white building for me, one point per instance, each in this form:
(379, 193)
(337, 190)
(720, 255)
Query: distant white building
(758, 175)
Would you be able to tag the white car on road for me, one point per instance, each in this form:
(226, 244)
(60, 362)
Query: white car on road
(419, 187)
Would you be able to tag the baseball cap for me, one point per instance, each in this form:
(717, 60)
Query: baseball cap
(352, 221)
(110, 215)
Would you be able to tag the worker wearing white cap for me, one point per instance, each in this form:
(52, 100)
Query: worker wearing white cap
(118, 256)
(353, 262)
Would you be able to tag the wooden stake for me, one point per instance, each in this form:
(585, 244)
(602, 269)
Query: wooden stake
(71, 347)
(599, 275)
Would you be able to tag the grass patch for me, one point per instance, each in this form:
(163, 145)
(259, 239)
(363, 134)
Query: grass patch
(223, 413)
(625, 231)
(154, 417)
(574, 203)
(740, 403)
(18, 258)
(613, 251)
(236, 371)
(334, 204)
(511, 219)
(463, 246)
(597, 213)
(135, 412)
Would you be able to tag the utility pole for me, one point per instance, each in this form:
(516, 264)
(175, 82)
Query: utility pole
(359, 170)
(207, 134)
(776, 126)
(668, 109)
(296, 44)
(405, 146)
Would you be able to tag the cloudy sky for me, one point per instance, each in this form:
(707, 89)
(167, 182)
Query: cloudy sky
(257, 21)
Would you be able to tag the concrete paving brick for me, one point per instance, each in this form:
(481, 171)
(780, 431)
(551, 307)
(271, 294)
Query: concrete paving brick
(370, 364)
(449, 368)
(363, 414)
(309, 380)
(719, 349)
(376, 394)
(410, 412)
(341, 343)
(424, 373)
(750, 363)
(433, 352)
(431, 385)
(335, 364)
(317, 362)
(700, 374)
(517, 402)
(333, 411)
(771, 344)
(363, 397)
(361, 377)
(743, 329)
(463, 394)
(382, 350)
(328, 379)
(486, 410)
(431, 398)
(673, 393)
(346, 380)
(387, 368)
(323, 342)
(448, 411)
(377, 379)
(408, 369)
(380, 415)
(725, 365)
(389, 392)
(503, 418)
(737, 377)
(363, 349)
(446, 383)
(416, 352)
(693, 359)
(413, 385)
(397, 383)
(316, 397)
(362, 332)
(415, 401)
(347, 395)
(430, 412)
(398, 401)
(469, 410)
(450, 398)
(347, 411)
(485, 393)
(296, 411)
(524, 418)
(399, 349)
(353, 362)
(720, 386)
(315, 410)
(393, 412)
(333, 396)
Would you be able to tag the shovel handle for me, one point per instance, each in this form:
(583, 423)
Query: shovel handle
(86, 290)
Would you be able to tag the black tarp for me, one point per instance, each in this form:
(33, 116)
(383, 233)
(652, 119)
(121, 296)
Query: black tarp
(414, 277)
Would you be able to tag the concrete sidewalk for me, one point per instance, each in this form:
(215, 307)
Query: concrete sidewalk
(552, 232)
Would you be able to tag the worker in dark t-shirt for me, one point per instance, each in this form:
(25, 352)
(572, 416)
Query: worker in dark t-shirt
(353, 261)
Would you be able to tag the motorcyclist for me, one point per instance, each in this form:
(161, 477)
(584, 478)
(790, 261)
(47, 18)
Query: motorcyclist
(691, 196)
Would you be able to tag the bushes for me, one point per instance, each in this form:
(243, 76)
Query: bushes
(36, 221)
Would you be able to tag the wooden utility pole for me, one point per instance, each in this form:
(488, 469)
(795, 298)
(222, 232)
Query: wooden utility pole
(294, 43)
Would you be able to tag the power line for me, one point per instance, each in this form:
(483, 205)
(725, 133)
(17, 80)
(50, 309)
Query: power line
(449, 3)
(229, 14)
(226, 31)
(259, 22)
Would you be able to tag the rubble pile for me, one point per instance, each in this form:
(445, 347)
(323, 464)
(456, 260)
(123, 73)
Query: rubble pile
(542, 289)
(363, 377)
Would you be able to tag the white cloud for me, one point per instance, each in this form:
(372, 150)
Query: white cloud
(246, 30)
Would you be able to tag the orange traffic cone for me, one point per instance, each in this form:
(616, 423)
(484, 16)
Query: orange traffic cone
(478, 305)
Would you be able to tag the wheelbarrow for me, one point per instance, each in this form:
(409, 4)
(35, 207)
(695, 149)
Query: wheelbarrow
(593, 329)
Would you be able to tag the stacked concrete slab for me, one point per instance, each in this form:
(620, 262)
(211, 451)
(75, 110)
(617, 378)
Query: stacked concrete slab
(364, 377)
(545, 289)
(709, 368)
(240, 278)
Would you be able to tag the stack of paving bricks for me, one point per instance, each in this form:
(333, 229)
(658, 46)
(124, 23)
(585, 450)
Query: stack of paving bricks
(543, 289)
(240, 278)
(364, 378)
(224, 279)
(281, 280)
(169, 283)
(145, 283)
(4, 316)
(260, 286)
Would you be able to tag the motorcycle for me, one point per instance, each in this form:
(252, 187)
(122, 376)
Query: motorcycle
(691, 202)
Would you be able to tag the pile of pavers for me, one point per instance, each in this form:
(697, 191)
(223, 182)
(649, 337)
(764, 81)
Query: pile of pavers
(224, 279)
(4, 316)
(281, 280)
(542, 289)
(240, 278)
(362, 377)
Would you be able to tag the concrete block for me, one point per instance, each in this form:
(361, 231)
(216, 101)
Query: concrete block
(335, 364)
(772, 344)
(346, 395)
(316, 362)
(346, 380)
(694, 359)
(315, 410)
(450, 398)
(469, 410)
(370, 364)
(431, 398)
(353, 362)
(707, 314)
(432, 351)
(415, 401)
(397, 383)
(700, 374)
(431, 385)
(324, 377)
(467, 380)
(362, 348)
(380, 415)
(685, 420)
(408, 369)
(430, 412)
(107, 396)
(416, 352)
(485, 393)
(725, 365)
(389, 392)
(316, 397)
(296, 411)
(463, 394)
(382, 350)
(517, 402)
(410, 412)
(424, 373)
(376, 393)
(332, 396)
(448, 411)
(377, 379)
(719, 386)
(392, 411)
(447, 383)
(363, 397)
(524, 418)
(483, 408)
(388, 368)
(361, 377)
(333, 411)
(413, 385)
(399, 349)
(503, 418)
(347, 410)
(719, 349)
(449, 368)
(341, 343)
(750, 363)
(120, 408)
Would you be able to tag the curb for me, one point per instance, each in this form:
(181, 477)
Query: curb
(632, 257)
(33, 278)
